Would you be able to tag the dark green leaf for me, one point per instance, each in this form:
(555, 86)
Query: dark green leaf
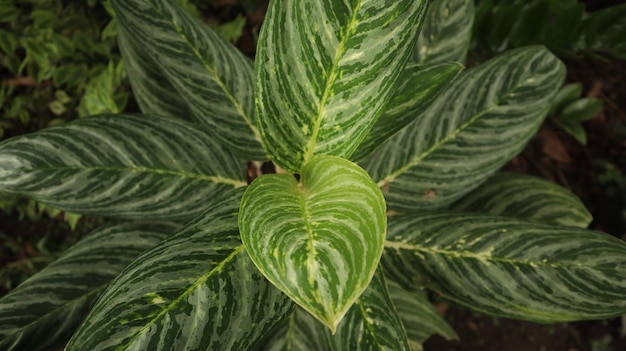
(581, 110)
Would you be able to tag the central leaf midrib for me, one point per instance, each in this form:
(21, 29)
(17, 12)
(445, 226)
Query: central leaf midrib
(171, 173)
(332, 76)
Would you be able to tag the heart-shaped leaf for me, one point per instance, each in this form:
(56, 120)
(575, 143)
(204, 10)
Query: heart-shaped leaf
(318, 241)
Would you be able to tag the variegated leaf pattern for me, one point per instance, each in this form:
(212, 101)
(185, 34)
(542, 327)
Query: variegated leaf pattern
(510, 268)
(319, 241)
(47, 308)
(120, 166)
(418, 86)
(418, 315)
(151, 89)
(197, 290)
(447, 32)
(210, 74)
(324, 71)
(371, 324)
(484, 119)
(526, 197)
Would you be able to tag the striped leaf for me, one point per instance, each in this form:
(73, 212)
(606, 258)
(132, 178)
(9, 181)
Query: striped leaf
(446, 33)
(210, 74)
(526, 197)
(508, 268)
(319, 241)
(372, 323)
(484, 119)
(122, 166)
(152, 91)
(418, 86)
(418, 315)
(324, 71)
(197, 290)
(47, 308)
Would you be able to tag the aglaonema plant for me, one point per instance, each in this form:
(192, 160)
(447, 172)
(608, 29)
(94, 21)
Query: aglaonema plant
(388, 188)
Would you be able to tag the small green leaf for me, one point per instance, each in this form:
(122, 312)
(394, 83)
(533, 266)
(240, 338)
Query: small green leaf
(575, 129)
(8, 42)
(232, 30)
(581, 110)
(446, 33)
(605, 30)
(564, 96)
(510, 268)
(325, 70)
(197, 290)
(418, 87)
(49, 306)
(418, 315)
(318, 241)
(525, 197)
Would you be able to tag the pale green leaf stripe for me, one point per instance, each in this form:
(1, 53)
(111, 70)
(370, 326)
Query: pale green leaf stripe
(210, 74)
(418, 315)
(372, 324)
(197, 290)
(508, 268)
(152, 91)
(484, 119)
(447, 32)
(120, 166)
(526, 197)
(418, 87)
(324, 71)
(319, 241)
(47, 308)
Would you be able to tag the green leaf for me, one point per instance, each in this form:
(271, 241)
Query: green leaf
(8, 41)
(48, 307)
(318, 241)
(574, 129)
(446, 33)
(564, 96)
(197, 290)
(209, 73)
(418, 315)
(152, 90)
(232, 30)
(122, 166)
(606, 29)
(581, 110)
(418, 87)
(324, 71)
(526, 197)
(509, 268)
(372, 323)
(483, 120)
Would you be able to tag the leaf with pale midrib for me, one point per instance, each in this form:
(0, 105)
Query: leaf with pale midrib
(47, 308)
(123, 166)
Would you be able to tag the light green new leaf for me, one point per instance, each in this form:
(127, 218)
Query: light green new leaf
(418, 87)
(483, 120)
(509, 268)
(210, 74)
(371, 324)
(325, 69)
(197, 290)
(47, 308)
(526, 197)
(447, 32)
(418, 315)
(121, 166)
(151, 89)
(318, 241)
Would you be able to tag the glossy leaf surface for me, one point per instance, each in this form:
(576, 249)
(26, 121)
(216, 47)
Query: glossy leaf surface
(418, 86)
(418, 315)
(372, 323)
(526, 197)
(509, 268)
(484, 119)
(446, 33)
(120, 165)
(47, 308)
(197, 290)
(320, 240)
(213, 77)
(325, 69)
